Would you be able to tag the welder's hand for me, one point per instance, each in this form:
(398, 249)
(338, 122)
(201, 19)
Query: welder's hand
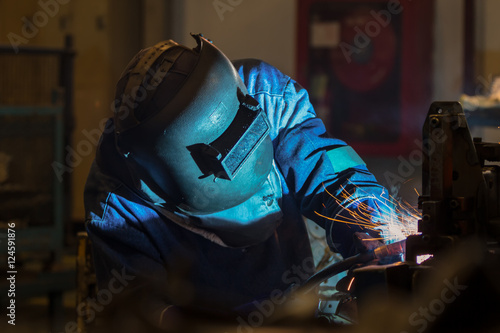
(364, 242)
(386, 253)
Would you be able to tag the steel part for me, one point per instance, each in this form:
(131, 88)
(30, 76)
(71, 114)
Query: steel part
(454, 189)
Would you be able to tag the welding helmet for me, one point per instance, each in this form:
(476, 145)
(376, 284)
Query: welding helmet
(188, 131)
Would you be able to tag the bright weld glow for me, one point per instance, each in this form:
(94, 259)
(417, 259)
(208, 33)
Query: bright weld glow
(423, 257)
(350, 284)
(396, 221)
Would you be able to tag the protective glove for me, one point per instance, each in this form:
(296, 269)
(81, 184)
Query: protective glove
(364, 242)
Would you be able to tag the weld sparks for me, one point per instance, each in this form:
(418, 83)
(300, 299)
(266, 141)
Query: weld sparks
(394, 220)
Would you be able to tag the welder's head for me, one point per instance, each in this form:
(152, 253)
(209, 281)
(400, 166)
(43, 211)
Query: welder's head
(188, 131)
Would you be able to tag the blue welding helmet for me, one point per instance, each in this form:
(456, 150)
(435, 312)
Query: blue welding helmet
(188, 131)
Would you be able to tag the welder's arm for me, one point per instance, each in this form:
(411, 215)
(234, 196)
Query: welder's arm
(128, 267)
(327, 177)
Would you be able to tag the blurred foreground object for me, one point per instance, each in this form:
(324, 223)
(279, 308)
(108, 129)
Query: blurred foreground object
(483, 102)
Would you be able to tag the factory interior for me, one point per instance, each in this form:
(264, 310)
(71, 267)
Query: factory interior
(381, 74)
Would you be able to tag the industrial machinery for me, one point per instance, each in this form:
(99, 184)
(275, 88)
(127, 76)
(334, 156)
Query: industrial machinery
(450, 278)
(460, 191)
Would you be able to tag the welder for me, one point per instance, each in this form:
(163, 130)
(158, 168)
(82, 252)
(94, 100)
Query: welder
(203, 176)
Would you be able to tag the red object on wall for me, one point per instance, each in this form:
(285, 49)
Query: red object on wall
(368, 68)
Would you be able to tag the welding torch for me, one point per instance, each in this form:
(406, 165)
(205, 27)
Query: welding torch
(381, 252)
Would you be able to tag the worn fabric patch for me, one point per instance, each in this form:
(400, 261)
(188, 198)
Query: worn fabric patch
(344, 158)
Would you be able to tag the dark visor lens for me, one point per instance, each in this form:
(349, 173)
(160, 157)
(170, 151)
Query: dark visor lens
(224, 156)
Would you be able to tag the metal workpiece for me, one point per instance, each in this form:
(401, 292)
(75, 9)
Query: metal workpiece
(457, 245)
(453, 201)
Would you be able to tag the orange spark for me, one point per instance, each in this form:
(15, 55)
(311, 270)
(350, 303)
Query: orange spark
(393, 219)
(350, 284)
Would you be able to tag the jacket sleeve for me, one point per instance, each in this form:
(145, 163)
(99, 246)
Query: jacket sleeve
(329, 181)
(128, 266)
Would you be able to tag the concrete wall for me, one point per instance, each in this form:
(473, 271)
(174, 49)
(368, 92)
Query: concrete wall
(448, 49)
(487, 42)
(263, 29)
(267, 30)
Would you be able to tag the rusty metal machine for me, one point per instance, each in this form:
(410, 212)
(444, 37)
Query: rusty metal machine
(457, 286)
(460, 191)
